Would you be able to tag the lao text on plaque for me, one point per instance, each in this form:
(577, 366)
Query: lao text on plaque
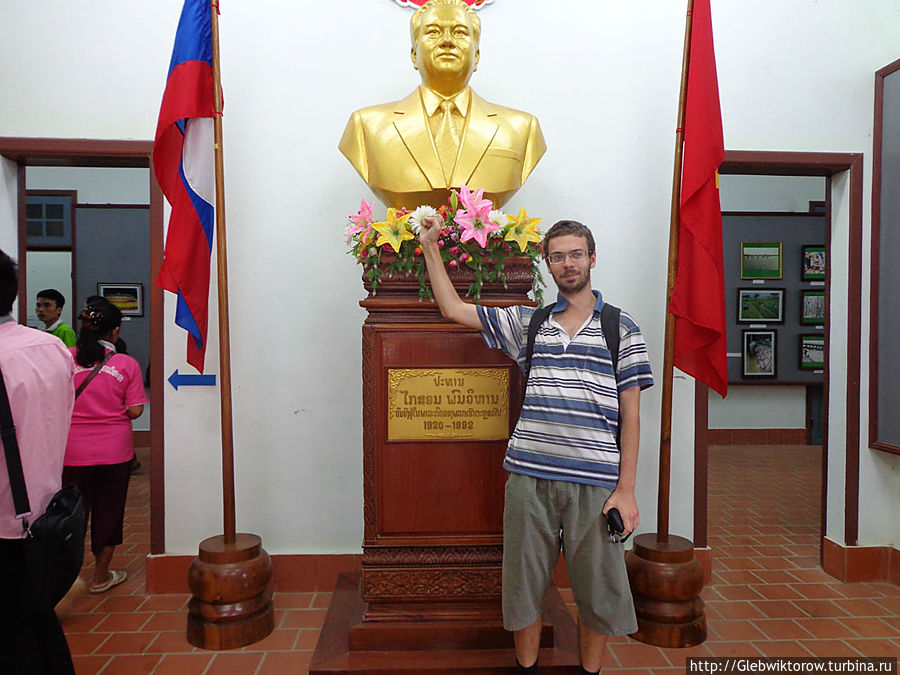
(448, 403)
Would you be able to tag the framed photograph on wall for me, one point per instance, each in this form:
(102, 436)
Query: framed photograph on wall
(127, 297)
(812, 352)
(812, 307)
(758, 353)
(813, 263)
(761, 260)
(760, 305)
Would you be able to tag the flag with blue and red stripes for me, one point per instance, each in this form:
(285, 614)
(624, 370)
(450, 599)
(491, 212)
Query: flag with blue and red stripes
(183, 160)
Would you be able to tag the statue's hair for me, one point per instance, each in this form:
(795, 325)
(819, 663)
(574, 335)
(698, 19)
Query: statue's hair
(416, 21)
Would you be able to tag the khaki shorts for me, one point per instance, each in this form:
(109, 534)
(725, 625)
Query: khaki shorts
(542, 517)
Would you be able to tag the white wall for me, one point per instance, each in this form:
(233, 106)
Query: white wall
(9, 217)
(758, 407)
(94, 185)
(770, 193)
(601, 77)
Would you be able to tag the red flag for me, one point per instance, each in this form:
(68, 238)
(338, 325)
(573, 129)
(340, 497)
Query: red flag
(698, 297)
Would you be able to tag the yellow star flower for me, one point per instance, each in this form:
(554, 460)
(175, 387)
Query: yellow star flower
(393, 230)
(522, 229)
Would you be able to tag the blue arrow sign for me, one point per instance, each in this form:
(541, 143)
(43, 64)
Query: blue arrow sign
(178, 380)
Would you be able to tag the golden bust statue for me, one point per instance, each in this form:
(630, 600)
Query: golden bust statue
(443, 135)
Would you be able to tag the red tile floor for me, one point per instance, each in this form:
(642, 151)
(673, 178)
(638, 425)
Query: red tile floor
(767, 596)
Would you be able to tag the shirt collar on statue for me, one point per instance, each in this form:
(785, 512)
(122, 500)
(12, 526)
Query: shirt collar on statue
(431, 100)
(562, 303)
(52, 327)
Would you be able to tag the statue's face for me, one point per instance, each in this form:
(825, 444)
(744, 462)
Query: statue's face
(446, 49)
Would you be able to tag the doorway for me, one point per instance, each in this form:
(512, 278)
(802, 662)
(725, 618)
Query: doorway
(16, 156)
(843, 190)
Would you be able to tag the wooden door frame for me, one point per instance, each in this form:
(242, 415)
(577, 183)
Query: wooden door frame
(71, 152)
(827, 164)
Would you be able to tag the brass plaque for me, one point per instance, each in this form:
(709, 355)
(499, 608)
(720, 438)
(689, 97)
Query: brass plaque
(451, 403)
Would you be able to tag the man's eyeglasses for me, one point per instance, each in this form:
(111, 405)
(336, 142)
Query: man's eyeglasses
(558, 258)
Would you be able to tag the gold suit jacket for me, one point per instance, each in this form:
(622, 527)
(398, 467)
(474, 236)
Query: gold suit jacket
(392, 148)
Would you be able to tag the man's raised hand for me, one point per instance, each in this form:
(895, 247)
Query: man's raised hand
(431, 229)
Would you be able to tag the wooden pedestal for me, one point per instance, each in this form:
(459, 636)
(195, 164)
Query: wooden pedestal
(433, 508)
(666, 580)
(350, 643)
(428, 597)
(232, 601)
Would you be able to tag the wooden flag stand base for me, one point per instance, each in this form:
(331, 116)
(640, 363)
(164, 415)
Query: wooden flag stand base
(666, 579)
(231, 603)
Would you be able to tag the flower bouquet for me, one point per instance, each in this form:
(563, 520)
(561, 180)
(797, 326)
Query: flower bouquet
(475, 237)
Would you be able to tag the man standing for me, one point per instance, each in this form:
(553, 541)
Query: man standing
(37, 372)
(566, 468)
(49, 307)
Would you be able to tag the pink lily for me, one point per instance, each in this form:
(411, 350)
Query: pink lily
(474, 220)
(362, 221)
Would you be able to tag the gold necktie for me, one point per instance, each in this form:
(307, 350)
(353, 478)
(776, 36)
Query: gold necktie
(446, 139)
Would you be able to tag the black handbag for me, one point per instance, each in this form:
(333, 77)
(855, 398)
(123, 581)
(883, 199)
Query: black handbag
(54, 542)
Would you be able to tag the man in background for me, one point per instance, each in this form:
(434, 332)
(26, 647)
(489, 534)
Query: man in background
(37, 373)
(49, 307)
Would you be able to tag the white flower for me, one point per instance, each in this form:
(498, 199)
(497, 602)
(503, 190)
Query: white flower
(498, 218)
(347, 236)
(415, 218)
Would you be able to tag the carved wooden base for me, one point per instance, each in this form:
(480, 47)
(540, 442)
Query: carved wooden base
(232, 599)
(431, 643)
(666, 580)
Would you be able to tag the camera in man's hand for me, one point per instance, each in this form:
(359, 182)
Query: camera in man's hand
(616, 526)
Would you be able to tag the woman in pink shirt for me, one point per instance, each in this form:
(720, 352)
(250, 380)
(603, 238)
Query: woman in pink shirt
(100, 446)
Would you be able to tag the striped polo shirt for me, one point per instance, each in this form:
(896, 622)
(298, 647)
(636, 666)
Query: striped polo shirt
(567, 429)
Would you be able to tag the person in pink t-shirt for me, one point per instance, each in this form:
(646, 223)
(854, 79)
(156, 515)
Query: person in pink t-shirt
(109, 394)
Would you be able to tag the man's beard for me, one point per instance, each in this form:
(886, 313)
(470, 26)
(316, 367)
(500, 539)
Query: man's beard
(575, 284)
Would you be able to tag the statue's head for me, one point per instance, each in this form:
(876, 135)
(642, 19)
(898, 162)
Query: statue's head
(445, 36)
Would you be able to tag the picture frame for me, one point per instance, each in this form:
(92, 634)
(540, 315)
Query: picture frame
(758, 353)
(813, 263)
(761, 260)
(812, 307)
(812, 352)
(760, 305)
(128, 297)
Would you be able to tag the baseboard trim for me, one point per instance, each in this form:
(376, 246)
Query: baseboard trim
(855, 564)
(757, 437)
(298, 573)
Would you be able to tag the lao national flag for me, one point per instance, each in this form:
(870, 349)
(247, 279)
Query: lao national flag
(183, 160)
(698, 297)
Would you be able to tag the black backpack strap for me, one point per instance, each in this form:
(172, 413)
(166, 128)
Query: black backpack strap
(609, 322)
(11, 451)
(539, 316)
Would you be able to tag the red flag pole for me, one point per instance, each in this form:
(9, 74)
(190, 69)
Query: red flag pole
(230, 529)
(662, 570)
(665, 432)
